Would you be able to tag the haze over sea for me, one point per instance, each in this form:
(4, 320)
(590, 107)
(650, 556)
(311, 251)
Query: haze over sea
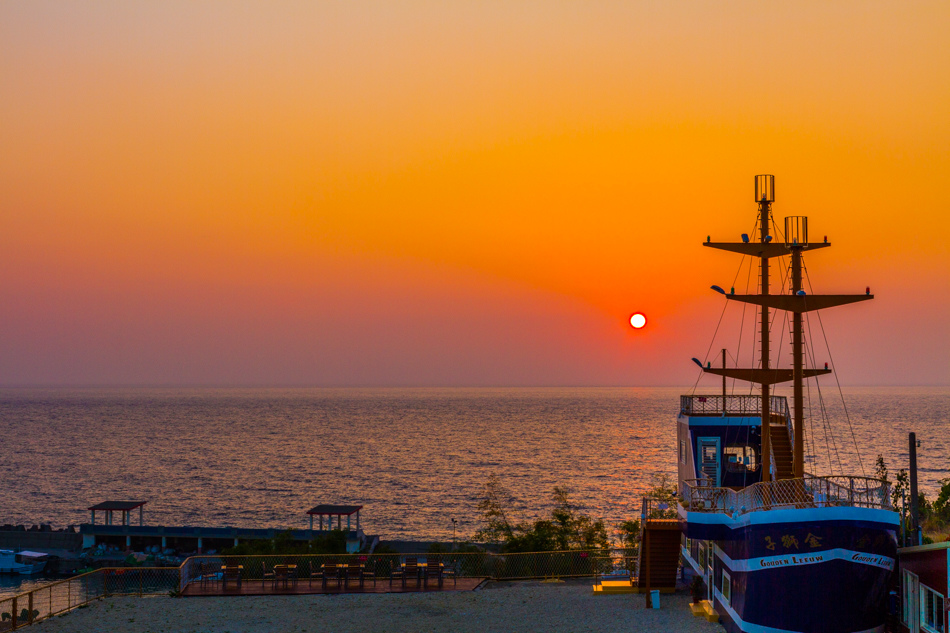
(414, 458)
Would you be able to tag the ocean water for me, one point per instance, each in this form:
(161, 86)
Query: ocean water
(414, 458)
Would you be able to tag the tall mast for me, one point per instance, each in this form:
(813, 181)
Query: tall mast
(795, 243)
(796, 234)
(765, 195)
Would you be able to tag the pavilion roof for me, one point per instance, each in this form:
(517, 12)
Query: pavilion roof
(118, 505)
(334, 510)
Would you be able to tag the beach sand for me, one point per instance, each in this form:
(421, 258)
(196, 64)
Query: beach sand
(512, 606)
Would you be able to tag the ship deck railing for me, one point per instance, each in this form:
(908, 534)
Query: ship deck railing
(810, 491)
(737, 406)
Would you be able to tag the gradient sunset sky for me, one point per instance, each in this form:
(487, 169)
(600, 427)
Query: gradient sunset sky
(454, 193)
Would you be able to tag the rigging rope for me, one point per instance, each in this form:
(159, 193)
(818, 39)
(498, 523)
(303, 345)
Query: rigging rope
(821, 401)
(831, 359)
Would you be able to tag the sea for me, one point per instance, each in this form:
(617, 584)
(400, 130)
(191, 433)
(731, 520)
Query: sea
(415, 459)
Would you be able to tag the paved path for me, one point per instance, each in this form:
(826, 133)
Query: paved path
(500, 607)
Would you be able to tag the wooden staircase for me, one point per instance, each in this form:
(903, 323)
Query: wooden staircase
(659, 555)
(781, 449)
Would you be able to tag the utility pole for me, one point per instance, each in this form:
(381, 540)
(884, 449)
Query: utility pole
(914, 497)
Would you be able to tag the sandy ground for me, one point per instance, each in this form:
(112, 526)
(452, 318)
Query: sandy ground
(520, 606)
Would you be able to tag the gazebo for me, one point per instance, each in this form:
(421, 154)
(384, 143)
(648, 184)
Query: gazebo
(125, 507)
(339, 512)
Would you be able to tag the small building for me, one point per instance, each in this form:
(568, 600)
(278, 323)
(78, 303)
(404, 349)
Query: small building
(925, 587)
(123, 533)
(108, 508)
(354, 537)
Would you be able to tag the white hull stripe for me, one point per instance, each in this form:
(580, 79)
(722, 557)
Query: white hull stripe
(805, 558)
(749, 627)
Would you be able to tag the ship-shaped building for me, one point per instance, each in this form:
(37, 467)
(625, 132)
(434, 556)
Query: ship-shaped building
(780, 549)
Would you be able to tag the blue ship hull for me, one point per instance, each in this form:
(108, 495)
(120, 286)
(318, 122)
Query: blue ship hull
(803, 570)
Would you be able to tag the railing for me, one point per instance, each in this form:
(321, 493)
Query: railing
(512, 566)
(59, 597)
(651, 508)
(810, 491)
(731, 405)
(62, 596)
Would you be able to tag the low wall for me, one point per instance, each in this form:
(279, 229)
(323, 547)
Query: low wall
(15, 539)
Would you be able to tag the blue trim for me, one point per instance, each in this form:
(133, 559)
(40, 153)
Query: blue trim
(793, 515)
(694, 421)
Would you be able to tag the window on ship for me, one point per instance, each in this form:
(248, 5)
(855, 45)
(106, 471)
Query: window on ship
(931, 610)
(741, 458)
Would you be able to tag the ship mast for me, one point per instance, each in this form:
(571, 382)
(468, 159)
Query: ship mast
(796, 234)
(765, 195)
(795, 243)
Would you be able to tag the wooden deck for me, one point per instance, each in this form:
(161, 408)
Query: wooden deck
(303, 587)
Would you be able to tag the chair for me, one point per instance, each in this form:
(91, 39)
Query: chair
(433, 568)
(355, 570)
(368, 574)
(315, 572)
(268, 574)
(231, 572)
(281, 574)
(448, 571)
(331, 570)
(411, 566)
(206, 573)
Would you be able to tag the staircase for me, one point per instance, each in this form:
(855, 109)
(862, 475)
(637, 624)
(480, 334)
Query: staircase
(781, 449)
(658, 558)
(659, 555)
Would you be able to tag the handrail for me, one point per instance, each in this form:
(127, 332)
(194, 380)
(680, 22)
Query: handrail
(810, 491)
(717, 405)
(61, 596)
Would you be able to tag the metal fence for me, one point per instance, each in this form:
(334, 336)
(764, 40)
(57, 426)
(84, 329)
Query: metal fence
(810, 491)
(731, 405)
(59, 597)
(512, 566)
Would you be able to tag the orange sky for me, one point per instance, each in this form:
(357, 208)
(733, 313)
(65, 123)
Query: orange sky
(457, 193)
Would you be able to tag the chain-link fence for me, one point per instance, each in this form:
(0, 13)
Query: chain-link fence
(59, 597)
(384, 567)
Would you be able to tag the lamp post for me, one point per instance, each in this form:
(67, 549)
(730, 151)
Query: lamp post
(454, 523)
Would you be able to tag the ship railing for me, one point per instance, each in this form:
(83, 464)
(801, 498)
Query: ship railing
(810, 491)
(731, 405)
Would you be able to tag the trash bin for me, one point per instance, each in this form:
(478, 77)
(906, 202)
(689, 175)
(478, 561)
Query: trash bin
(655, 598)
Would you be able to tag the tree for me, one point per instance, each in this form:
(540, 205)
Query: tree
(565, 529)
(495, 507)
(941, 505)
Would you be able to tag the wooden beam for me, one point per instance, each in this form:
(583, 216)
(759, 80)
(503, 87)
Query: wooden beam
(799, 303)
(761, 249)
(763, 376)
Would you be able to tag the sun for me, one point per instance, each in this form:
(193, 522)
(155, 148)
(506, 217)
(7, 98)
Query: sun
(637, 320)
